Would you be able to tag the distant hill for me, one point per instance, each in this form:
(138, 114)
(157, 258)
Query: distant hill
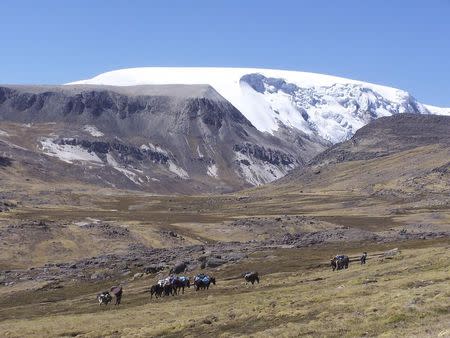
(405, 156)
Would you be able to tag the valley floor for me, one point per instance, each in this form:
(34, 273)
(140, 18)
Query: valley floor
(60, 248)
(406, 295)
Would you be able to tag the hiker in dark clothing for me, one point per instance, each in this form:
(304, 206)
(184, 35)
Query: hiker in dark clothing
(117, 292)
(363, 258)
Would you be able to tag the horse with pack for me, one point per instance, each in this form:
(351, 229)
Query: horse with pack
(167, 285)
(181, 282)
(340, 262)
(202, 281)
(156, 290)
(171, 285)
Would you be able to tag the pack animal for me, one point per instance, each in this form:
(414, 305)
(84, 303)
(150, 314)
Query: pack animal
(167, 285)
(203, 282)
(156, 290)
(251, 277)
(104, 298)
(340, 262)
(181, 282)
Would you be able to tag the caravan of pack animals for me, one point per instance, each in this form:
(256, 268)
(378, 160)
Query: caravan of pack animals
(174, 285)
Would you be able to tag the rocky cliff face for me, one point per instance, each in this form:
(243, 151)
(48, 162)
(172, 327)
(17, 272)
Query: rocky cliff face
(155, 138)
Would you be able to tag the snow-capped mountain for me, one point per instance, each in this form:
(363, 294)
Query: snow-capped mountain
(188, 130)
(315, 104)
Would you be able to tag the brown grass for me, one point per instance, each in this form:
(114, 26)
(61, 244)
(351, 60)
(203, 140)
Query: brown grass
(405, 296)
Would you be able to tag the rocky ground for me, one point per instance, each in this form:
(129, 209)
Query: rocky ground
(137, 259)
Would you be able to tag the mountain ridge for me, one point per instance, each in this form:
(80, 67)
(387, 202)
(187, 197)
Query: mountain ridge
(170, 138)
(327, 106)
(403, 157)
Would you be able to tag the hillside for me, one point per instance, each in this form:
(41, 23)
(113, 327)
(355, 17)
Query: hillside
(173, 138)
(188, 130)
(404, 156)
(389, 135)
(406, 295)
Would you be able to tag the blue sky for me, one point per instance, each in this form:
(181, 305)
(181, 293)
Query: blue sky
(405, 44)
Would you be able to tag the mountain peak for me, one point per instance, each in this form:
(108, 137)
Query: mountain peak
(330, 107)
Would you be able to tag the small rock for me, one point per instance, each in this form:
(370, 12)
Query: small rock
(370, 280)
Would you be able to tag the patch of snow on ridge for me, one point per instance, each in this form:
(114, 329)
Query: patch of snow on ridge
(155, 148)
(199, 153)
(133, 177)
(257, 172)
(3, 133)
(93, 131)
(328, 106)
(68, 153)
(212, 170)
(437, 110)
(180, 172)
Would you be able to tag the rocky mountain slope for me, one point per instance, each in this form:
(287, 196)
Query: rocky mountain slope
(402, 156)
(172, 138)
(273, 100)
(388, 135)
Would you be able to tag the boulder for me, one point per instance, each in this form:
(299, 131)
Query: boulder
(214, 262)
(99, 275)
(179, 268)
(391, 253)
(235, 256)
(154, 268)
